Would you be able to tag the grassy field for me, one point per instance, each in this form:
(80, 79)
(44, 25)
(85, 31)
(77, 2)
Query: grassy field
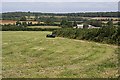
(43, 27)
(32, 55)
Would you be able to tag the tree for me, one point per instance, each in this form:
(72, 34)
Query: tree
(118, 23)
(69, 24)
(29, 15)
(49, 21)
(75, 23)
(23, 18)
(110, 23)
(63, 23)
(85, 26)
(36, 18)
(29, 23)
(24, 24)
(95, 23)
(66, 24)
(18, 23)
(38, 22)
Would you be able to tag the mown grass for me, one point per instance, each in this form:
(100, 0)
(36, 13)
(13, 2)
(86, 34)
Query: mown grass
(32, 55)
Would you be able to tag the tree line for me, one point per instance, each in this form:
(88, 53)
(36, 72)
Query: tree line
(9, 27)
(18, 15)
(64, 23)
(110, 35)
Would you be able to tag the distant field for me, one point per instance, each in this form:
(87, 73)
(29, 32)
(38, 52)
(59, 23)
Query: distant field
(32, 55)
(104, 18)
(7, 22)
(43, 27)
(13, 22)
(107, 21)
(32, 17)
(35, 22)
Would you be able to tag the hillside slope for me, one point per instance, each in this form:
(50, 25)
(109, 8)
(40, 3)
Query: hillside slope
(32, 55)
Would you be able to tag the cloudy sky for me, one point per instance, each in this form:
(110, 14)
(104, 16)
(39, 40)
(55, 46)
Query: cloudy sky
(59, 6)
(59, 0)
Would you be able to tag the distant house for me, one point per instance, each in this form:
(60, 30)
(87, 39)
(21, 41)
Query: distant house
(79, 26)
(82, 26)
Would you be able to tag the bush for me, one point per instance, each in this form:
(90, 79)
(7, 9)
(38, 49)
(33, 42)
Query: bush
(109, 35)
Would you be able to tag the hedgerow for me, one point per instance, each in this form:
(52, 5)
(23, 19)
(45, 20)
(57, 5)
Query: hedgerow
(20, 28)
(109, 35)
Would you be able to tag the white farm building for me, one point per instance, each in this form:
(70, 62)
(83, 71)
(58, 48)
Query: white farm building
(82, 26)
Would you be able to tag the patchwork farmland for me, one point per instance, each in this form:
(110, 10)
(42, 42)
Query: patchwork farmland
(60, 45)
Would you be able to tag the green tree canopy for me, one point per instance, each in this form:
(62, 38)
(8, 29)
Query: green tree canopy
(24, 24)
(110, 23)
(23, 18)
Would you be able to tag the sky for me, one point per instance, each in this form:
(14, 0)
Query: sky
(59, 0)
(58, 6)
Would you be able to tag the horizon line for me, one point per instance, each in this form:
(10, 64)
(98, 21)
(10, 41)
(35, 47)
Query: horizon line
(58, 12)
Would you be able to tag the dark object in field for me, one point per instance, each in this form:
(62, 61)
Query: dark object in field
(51, 35)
